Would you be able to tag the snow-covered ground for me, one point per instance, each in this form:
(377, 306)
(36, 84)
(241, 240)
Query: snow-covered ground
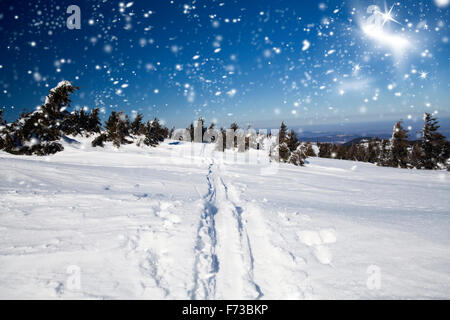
(156, 223)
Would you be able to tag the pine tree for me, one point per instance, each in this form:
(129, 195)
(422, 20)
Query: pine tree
(324, 150)
(117, 128)
(352, 152)
(415, 156)
(341, 152)
(434, 145)
(94, 124)
(137, 127)
(155, 132)
(373, 150)
(172, 130)
(297, 157)
(38, 132)
(292, 141)
(399, 147)
(100, 140)
(283, 149)
(384, 153)
(309, 150)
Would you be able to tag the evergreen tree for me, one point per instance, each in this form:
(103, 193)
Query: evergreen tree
(373, 150)
(100, 140)
(434, 145)
(94, 124)
(155, 132)
(352, 152)
(341, 152)
(117, 128)
(399, 147)
(297, 157)
(361, 151)
(137, 127)
(309, 150)
(384, 153)
(324, 150)
(292, 141)
(172, 130)
(415, 156)
(283, 148)
(38, 132)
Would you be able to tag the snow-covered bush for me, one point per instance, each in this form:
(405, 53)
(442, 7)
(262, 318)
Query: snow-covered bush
(38, 132)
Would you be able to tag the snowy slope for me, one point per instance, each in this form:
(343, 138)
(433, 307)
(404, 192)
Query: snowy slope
(172, 223)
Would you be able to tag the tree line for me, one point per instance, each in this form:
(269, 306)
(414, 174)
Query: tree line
(287, 149)
(39, 132)
(430, 152)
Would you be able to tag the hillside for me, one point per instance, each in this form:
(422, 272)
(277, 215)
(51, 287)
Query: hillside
(178, 222)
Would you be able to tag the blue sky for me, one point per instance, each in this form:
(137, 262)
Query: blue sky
(258, 62)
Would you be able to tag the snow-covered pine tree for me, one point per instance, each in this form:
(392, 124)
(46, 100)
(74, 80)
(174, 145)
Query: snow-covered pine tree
(373, 150)
(292, 141)
(324, 150)
(283, 149)
(399, 147)
(309, 150)
(340, 151)
(155, 132)
(434, 145)
(94, 123)
(118, 128)
(415, 156)
(384, 153)
(100, 140)
(137, 127)
(38, 132)
(362, 151)
(297, 157)
(76, 123)
(172, 130)
(352, 152)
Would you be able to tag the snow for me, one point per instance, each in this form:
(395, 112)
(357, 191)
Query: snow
(179, 222)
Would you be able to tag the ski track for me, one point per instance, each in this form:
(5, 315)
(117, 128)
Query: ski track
(206, 264)
(233, 251)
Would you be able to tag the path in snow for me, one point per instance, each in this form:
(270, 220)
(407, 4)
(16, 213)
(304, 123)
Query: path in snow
(234, 253)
